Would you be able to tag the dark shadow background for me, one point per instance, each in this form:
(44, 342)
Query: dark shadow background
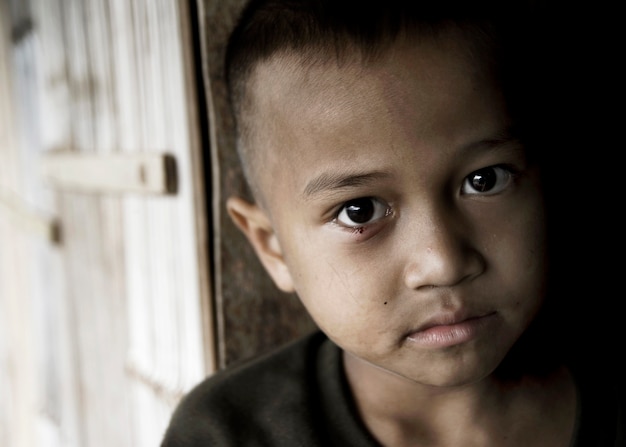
(583, 112)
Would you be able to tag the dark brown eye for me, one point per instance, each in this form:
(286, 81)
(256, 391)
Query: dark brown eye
(487, 181)
(483, 180)
(361, 211)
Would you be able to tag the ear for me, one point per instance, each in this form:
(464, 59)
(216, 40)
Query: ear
(257, 228)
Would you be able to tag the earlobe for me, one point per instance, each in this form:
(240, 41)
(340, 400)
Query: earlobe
(257, 227)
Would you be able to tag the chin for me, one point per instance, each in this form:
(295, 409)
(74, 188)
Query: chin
(456, 372)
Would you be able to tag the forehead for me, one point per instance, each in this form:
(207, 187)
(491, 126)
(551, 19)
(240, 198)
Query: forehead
(310, 73)
(307, 114)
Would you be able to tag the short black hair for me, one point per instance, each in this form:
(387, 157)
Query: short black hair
(326, 29)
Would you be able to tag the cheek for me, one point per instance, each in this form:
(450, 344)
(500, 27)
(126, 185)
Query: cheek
(343, 294)
(533, 245)
(518, 241)
(522, 258)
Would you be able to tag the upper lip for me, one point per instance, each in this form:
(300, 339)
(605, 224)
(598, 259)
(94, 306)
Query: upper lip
(448, 318)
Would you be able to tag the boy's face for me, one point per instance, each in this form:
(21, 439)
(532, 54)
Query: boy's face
(400, 209)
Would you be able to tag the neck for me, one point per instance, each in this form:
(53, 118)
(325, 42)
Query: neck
(489, 412)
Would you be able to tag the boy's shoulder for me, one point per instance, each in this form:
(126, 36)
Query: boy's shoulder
(274, 400)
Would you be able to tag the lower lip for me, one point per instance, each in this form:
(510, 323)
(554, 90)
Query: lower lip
(446, 335)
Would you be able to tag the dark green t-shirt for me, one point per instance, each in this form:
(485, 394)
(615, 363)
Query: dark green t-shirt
(298, 397)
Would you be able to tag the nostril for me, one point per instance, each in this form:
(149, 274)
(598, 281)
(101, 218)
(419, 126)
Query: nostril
(434, 269)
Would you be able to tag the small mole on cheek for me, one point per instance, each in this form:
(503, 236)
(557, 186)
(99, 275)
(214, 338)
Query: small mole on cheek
(385, 303)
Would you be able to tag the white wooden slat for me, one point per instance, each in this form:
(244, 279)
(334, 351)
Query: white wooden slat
(193, 348)
(162, 249)
(145, 173)
(17, 343)
(33, 311)
(100, 62)
(78, 76)
(166, 312)
(18, 346)
(59, 422)
(166, 340)
(61, 408)
(92, 250)
(55, 129)
(128, 94)
(152, 251)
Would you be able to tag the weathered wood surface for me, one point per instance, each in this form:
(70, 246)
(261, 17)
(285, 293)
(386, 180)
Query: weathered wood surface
(106, 330)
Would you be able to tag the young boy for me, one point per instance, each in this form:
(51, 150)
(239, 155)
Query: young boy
(399, 192)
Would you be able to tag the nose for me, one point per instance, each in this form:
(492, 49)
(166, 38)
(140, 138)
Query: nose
(441, 252)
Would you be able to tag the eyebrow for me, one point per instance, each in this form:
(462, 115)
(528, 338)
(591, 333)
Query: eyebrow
(504, 138)
(502, 141)
(333, 181)
(330, 181)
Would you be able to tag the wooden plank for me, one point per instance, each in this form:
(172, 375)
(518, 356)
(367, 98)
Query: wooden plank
(18, 366)
(144, 173)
